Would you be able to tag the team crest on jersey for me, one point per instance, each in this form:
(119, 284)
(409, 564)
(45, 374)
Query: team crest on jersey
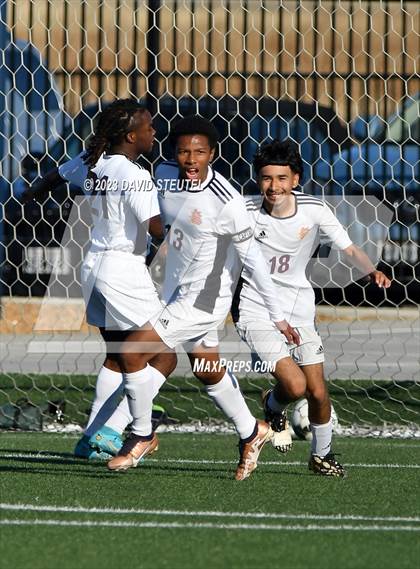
(303, 232)
(196, 217)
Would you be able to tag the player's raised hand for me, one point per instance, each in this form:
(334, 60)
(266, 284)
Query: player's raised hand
(381, 280)
(290, 333)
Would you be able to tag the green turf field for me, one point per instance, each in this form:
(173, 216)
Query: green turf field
(183, 508)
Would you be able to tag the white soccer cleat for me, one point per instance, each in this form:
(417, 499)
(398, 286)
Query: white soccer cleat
(282, 437)
(282, 441)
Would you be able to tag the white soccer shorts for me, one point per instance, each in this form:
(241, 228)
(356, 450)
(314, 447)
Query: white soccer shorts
(182, 323)
(310, 350)
(118, 291)
(270, 345)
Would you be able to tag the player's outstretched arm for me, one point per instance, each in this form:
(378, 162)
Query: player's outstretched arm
(40, 189)
(362, 262)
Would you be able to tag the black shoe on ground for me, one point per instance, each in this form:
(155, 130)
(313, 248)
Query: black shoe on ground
(326, 466)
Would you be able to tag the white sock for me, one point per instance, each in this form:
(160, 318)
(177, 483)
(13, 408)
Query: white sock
(274, 405)
(321, 438)
(228, 397)
(158, 379)
(105, 409)
(123, 412)
(140, 389)
(121, 417)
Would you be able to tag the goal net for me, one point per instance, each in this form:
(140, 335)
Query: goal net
(339, 78)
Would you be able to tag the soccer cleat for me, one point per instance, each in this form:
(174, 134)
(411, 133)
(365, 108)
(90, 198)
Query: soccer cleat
(250, 451)
(84, 450)
(326, 466)
(106, 440)
(134, 449)
(282, 439)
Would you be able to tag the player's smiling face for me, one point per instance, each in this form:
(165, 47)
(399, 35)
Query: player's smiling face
(193, 154)
(276, 184)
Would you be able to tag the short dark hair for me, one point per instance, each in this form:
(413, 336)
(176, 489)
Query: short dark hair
(284, 153)
(194, 124)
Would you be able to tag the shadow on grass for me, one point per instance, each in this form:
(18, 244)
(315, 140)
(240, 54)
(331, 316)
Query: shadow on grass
(95, 469)
(36, 453)
(58, 472)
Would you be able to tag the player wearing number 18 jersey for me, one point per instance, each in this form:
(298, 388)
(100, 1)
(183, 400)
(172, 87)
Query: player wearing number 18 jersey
(287, 244)
(287, 227)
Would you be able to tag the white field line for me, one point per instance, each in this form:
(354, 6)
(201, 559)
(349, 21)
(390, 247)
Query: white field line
(205, 514)
(193, 461)
(280, 463)
(179, 525)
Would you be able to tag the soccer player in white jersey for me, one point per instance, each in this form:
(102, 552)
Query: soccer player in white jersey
(287, 225)
(116, 284)
(209, 232)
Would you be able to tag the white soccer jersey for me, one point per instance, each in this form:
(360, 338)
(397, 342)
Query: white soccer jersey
(75, 170)
(116, 284)
(123, 196)
(210, 230)
(287, 245)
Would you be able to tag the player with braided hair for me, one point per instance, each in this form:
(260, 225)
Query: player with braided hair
(124, 210)
(112, 126)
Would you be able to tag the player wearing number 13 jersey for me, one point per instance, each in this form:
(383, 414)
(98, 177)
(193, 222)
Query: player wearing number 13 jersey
(209, 235)
(209, 227)
(287, 224)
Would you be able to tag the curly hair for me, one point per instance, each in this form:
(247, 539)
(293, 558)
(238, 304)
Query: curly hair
(284, 153)
(114, 122)
(194, 124)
